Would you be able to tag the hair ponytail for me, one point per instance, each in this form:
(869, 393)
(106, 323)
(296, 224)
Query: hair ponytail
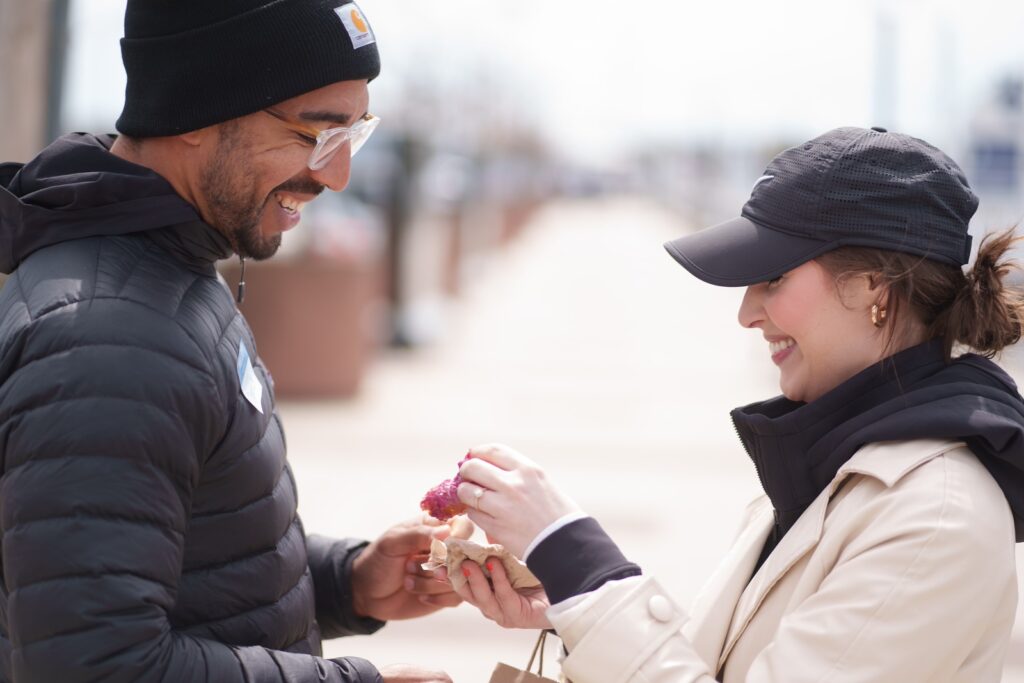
(986, 313)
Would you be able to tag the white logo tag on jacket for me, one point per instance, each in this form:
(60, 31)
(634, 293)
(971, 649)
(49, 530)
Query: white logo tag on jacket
(356, 24)
(251, 387)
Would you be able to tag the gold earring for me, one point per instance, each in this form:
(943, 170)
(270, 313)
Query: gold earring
(877, 315)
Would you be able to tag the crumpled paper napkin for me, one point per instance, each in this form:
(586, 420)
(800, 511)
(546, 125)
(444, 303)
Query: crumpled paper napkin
(452, 552)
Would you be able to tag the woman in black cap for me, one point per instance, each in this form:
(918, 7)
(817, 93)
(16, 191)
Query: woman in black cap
(893, 467)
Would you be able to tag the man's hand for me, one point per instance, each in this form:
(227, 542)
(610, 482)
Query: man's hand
(387, 581)
(406, 673)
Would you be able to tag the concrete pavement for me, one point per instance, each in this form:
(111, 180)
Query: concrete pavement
(588, 349)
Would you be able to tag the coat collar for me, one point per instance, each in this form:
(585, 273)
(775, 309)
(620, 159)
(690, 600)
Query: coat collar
(76, 188)
(195, 244)
(887, 462)
(797, 448)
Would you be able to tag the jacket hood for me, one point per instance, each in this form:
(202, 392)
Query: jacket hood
(76, 188)
(798, 448)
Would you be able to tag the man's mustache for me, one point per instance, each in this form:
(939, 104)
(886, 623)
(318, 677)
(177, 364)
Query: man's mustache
(300, 187)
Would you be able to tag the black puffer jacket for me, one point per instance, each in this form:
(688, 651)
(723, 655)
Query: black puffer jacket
(147, 511)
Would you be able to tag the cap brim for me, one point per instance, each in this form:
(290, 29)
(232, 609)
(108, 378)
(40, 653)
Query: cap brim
(739, 252)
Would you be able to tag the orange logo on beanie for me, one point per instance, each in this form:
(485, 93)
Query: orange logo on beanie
(358, 28)
(358, 22)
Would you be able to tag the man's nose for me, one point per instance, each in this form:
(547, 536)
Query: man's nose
(335, 175)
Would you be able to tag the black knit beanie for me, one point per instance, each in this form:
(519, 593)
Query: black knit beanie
(194, 63)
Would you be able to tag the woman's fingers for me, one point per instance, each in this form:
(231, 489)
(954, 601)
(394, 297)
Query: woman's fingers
(480, 589)
(485, 522)
(483, 473)
(499, 455)
(473, 495)
(506, 595)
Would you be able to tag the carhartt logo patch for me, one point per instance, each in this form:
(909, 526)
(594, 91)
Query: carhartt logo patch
(356, 24)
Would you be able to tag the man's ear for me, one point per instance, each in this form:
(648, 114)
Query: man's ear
(197, 138)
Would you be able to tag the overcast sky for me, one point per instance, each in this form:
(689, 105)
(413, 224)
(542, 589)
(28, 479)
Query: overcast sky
(602, 75)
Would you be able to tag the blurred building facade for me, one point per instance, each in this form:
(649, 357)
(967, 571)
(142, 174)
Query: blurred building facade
(995, 162)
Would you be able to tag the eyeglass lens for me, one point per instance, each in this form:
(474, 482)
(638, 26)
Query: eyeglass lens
(356, 136)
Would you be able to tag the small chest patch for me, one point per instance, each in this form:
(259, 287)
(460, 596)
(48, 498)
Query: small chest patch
(250, 383)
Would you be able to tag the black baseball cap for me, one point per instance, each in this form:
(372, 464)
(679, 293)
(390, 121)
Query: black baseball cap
(848, 187)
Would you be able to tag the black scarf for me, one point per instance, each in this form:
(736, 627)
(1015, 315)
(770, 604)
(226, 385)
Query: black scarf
(797, 448)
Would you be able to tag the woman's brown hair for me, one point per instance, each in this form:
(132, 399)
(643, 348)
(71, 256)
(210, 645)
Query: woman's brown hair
(978, 309)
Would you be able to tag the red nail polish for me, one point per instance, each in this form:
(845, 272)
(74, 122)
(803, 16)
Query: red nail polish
(490, 566)
(465, 572)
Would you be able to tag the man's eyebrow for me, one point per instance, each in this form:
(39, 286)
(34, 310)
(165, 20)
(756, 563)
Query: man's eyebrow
(339, 118)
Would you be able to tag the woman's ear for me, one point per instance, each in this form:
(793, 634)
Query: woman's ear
(878, 291)
(862, 291)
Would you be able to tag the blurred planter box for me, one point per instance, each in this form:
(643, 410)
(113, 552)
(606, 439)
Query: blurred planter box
(314, 320)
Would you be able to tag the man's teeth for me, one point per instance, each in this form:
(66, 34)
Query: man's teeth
(289, 204)
(776, 346)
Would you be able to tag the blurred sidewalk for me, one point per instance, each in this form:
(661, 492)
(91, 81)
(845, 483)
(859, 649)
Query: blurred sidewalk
(586, 347)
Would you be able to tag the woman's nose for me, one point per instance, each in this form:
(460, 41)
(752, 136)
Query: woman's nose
(751, 313)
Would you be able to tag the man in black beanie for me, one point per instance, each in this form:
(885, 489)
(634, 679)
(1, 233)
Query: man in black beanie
(147, 510)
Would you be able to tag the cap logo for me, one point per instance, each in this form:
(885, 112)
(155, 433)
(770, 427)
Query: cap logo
(356, 25)
(760, 180)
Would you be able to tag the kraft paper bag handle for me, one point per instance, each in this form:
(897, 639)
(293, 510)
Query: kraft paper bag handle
(538, 647)
(503, 673)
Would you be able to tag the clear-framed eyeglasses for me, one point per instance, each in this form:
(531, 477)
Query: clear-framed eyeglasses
(328, 142)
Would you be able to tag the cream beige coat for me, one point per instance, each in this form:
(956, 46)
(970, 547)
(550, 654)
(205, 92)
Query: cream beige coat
(902, 570)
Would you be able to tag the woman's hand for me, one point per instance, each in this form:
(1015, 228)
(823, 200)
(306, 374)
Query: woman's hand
(510, 497)
(498, 600)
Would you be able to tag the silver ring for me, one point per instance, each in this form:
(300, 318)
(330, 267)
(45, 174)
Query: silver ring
(478, 493)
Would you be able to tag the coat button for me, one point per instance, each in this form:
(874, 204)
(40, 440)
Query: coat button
(660, 608)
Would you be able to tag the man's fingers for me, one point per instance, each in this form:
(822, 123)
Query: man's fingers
(446, 600)
(425, 518)
(423, 585)
(399, 541)
(461, 527)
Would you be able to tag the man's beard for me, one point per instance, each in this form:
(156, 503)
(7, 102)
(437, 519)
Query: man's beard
(235, 206)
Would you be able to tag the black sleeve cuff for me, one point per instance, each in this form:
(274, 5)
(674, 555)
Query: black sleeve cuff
(330, 563)
(357, 670)
(578, 558)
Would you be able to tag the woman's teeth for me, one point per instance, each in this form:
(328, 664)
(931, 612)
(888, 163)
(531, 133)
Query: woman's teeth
(776, 346)
(289, 204)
